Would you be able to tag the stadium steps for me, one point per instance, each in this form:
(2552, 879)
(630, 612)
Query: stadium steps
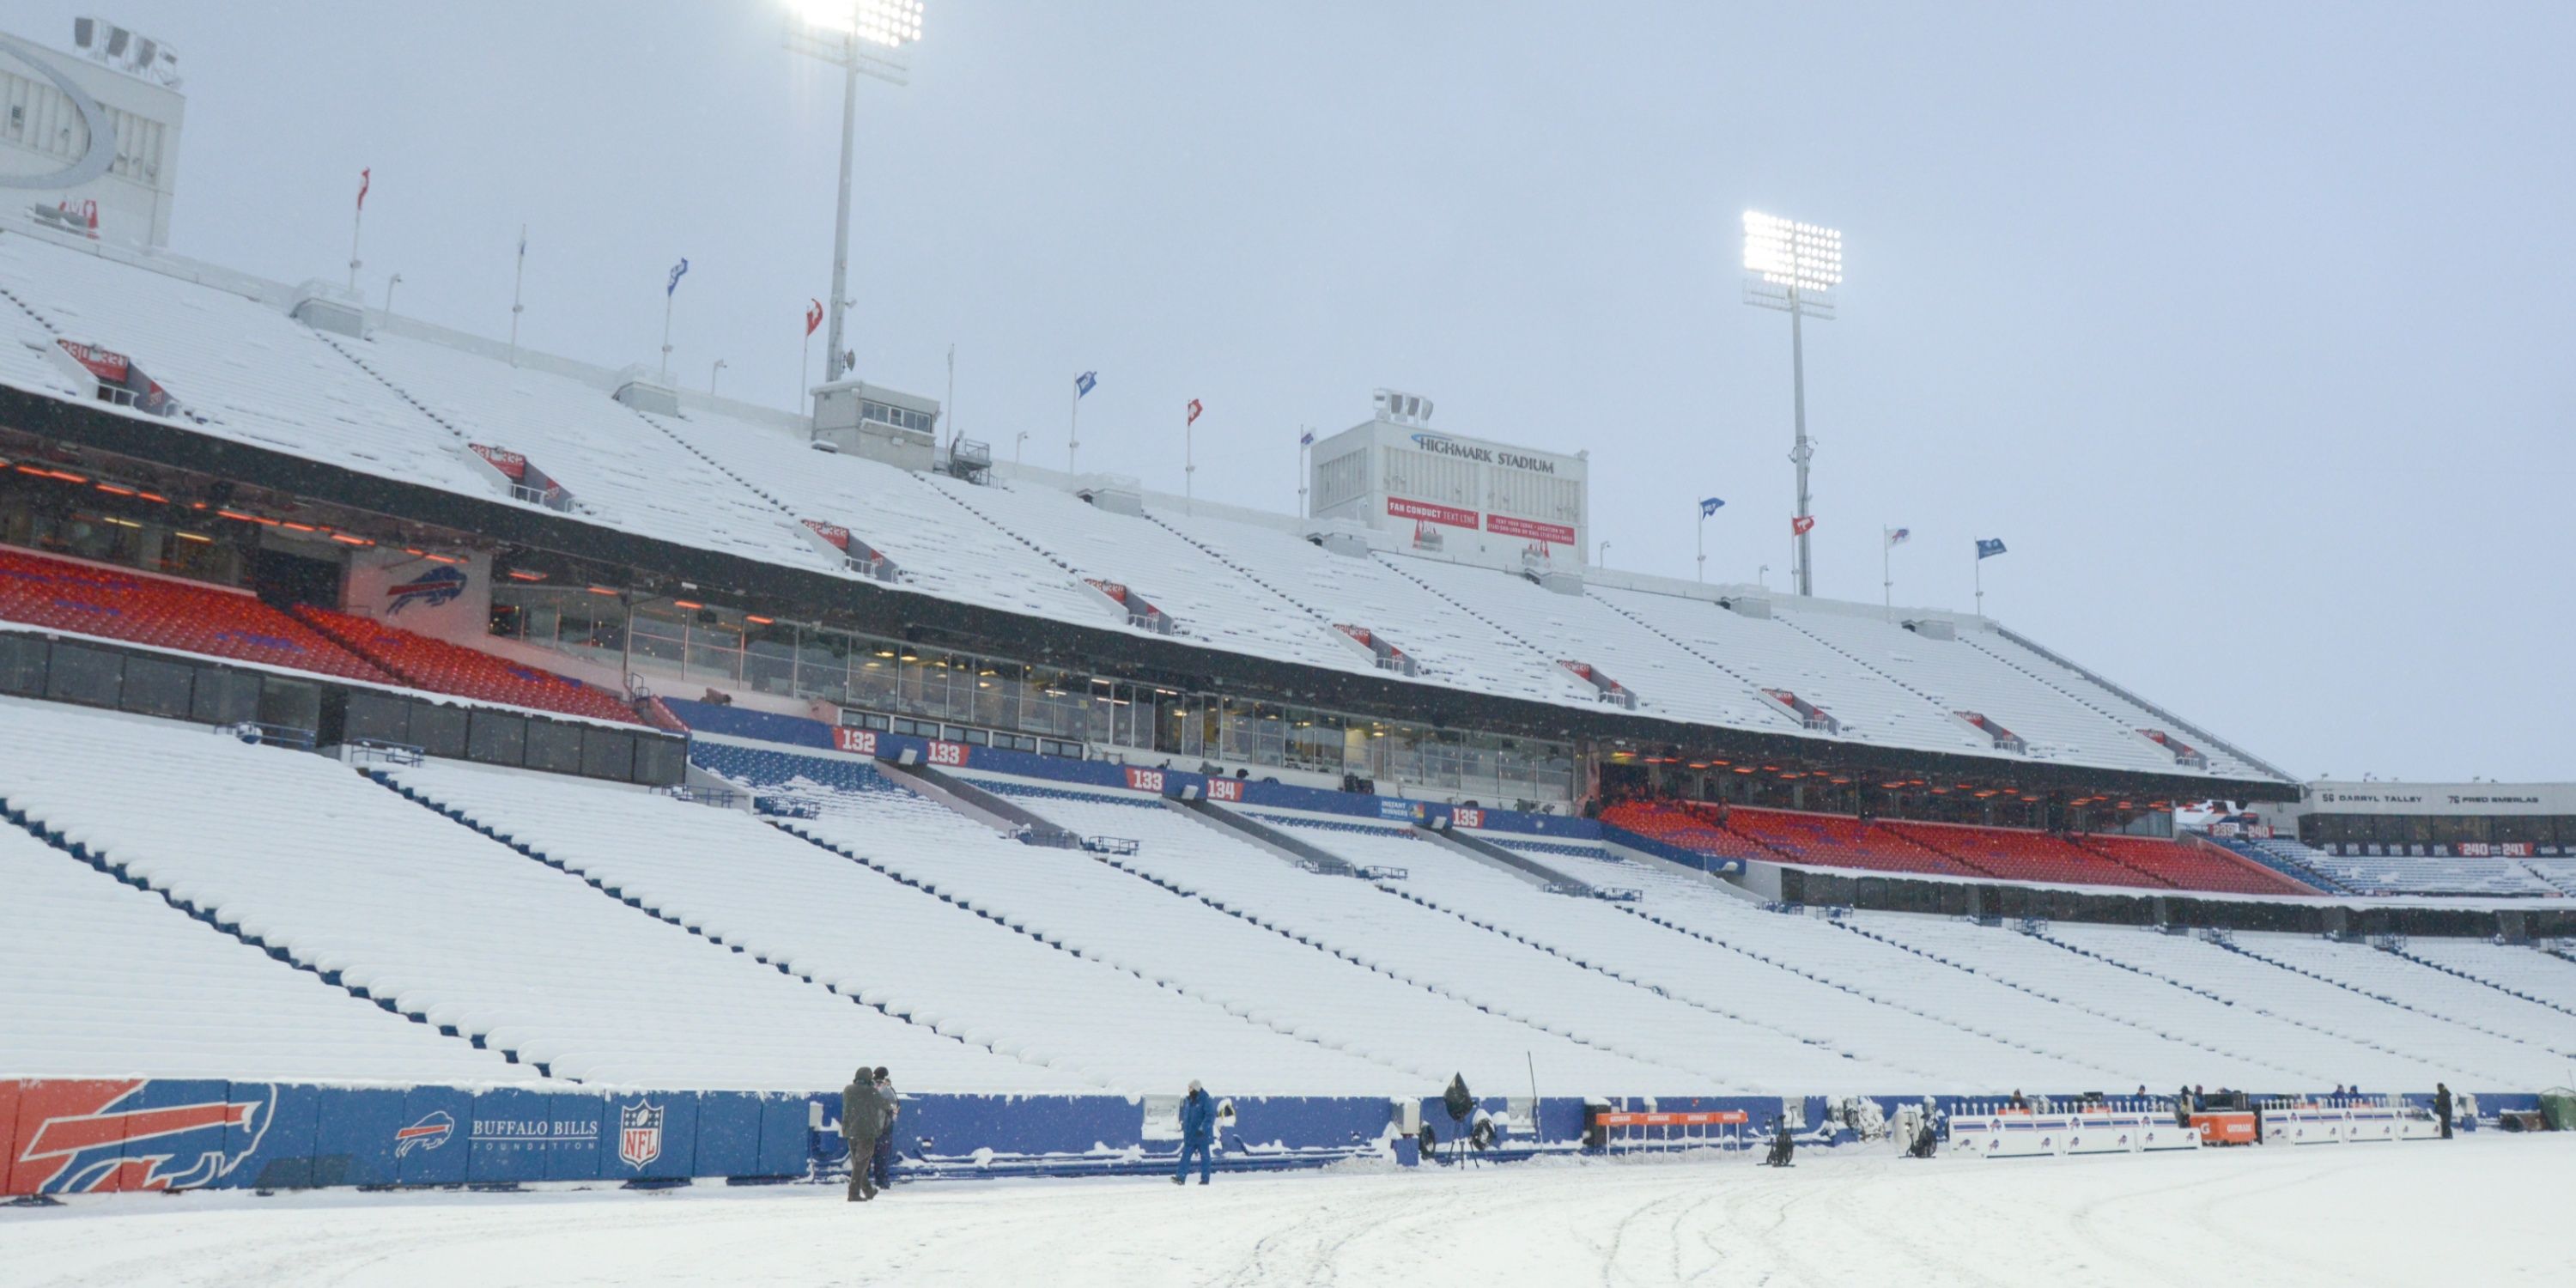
(2401, 1004)
(1856, 660)
(1767, 703)
(2124, 1021)
(2302, 873)
(109, 864)
(1649, 986)
(1518, 864)
(1262, 836)
(460, 818)
(2505, 989)
(2156, 878)
(2255, 1006)
(1325, 947)
(1321, 619)
(789, 826)
(1846, 986)
(1543, 657)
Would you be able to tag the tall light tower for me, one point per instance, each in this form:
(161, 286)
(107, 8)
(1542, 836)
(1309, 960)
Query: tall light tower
(856, 36)
(1794, 267)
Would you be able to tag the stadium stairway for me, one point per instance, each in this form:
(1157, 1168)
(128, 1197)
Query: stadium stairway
(117, 867)
(2408, 954)
(2304, 874)
(1436, 950)
(1592, 934)
(1098, 907)
(2210, 967)
(2421, 994)
(868, 934)
(108, 979)
(1526, 866)
(2533, 973)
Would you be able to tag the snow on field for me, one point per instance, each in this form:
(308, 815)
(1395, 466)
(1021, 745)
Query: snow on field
(2475, 1211)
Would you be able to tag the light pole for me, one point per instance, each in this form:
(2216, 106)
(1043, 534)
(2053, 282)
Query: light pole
(855, 36)
(1601, 558)
(712, 373)
(1793, 268)
(390, 284)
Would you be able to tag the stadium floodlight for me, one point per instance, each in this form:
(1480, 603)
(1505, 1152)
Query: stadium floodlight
(1794, 267)
(856, 36)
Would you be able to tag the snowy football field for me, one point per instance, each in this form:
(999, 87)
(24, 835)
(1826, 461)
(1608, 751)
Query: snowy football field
(2489, 1210)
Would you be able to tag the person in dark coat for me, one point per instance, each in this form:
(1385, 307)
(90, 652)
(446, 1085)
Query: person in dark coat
(881, 1159)
(1198, 1132)
(2182, 1106)
(2442, 1108)
(862, 1121)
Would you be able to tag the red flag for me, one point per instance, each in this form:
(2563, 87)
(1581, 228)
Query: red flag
(813, 316)
(1194, 413)
(1799, 526)
(365, 177)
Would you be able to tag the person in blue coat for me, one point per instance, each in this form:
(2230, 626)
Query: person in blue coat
(1198, 1132)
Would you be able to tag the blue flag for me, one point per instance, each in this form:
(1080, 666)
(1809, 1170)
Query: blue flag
(1306, 439)
(1082, 383)
(1989, 547)
(1709, 506)
(678, 271)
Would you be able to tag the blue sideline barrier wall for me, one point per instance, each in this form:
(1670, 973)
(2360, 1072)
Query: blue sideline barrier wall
(67, 1136)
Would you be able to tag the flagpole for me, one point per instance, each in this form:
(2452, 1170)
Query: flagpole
(667, 298)
(1189, 464)
(1703, 545)
(518, 278)
(1073, 434)
(1886, 574)
(1981, 585)
(357, 223)
(804, 369)
(1305, 472)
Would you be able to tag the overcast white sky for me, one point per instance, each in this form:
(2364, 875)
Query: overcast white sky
(2247, 326)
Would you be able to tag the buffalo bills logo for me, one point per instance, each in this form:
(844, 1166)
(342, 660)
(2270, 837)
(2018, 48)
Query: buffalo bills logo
(438, 586)
(429, 1133)
(80, 1137)
(639, 1133)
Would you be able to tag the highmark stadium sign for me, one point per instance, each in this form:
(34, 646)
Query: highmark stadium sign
(1488, 455)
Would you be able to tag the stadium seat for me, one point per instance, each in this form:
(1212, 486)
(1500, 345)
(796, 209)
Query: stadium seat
(88, 599)
(451, 668)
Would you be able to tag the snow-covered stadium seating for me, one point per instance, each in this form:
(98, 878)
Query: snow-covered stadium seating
(105, 979)
(2527, 971)
(2247, 980)
(1439, 951)
(1766, 994)
(901, 947)
(300, 854)
(254, 374)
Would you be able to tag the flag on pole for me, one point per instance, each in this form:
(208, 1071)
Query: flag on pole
(1709, 506)
(1306, 439)
(1194, 413)
(365, 177)
(1802, 525)
(1899, 536)
(1989, 547)
(1082, 383)
(678, 271)
(813, 316)
(523, 241)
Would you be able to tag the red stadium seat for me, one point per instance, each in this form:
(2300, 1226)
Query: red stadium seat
(437, 665)
(187, 616)
(1949, 849)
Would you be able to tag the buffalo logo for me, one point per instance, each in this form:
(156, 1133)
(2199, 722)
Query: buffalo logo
(82, 1137)
(429, 1133)
(438, 586)
(639, 1133)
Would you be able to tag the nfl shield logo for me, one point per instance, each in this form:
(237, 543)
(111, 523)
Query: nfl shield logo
(639, 1133)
